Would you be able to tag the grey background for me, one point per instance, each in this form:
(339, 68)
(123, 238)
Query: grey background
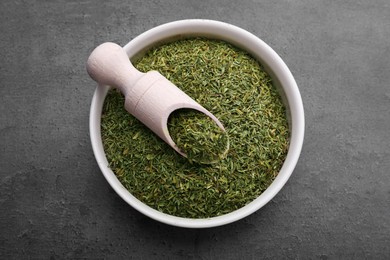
(55, 203)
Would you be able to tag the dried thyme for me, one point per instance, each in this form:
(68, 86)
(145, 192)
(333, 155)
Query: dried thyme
(231, 85)
(198, 136)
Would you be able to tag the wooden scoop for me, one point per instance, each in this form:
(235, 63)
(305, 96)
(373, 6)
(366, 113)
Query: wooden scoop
(150, 97)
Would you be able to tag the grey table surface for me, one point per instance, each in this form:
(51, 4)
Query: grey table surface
(55, 203)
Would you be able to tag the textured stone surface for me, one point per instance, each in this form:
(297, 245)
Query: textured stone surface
(55, 203)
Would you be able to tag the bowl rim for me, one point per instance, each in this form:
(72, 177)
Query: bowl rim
(266, 56)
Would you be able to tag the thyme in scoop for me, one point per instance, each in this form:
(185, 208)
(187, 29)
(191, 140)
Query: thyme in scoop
(234, 87)
(198, 136)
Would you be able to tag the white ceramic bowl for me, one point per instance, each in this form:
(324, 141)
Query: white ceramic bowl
(274, 65)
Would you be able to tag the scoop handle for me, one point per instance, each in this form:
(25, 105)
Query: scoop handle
(109, 64)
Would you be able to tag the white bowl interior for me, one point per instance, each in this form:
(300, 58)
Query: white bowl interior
(272, 63)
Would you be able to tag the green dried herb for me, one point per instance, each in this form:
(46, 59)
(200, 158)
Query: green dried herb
(198, 136)
(234, 87)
